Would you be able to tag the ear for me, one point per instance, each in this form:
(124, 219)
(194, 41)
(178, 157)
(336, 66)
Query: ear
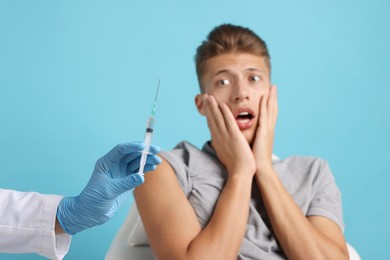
(199, 104)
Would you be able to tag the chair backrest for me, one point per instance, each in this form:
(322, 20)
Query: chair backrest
(130, 242)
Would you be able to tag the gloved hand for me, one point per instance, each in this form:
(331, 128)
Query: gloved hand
(111, 183)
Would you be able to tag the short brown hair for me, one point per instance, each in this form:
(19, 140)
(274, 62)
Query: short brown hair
(228, 38)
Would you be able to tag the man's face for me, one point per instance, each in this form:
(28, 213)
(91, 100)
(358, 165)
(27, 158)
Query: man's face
(239, 80)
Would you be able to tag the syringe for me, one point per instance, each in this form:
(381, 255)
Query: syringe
(148, 134)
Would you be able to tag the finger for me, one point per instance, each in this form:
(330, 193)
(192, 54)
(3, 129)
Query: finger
(131, 157)
(263, 111)
(211, 122)
(230, 121)
(154, 149)
(214, 116)
(121, 150)
(149, 167)
(209, 115)
(134, 155)
(271, 105)
(153, 159)
(133, 166)
(216, 111)
(274, 105)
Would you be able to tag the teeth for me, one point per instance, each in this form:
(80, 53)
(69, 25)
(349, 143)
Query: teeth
(244, 113)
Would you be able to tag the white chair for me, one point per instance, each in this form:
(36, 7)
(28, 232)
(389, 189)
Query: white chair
(131, 243)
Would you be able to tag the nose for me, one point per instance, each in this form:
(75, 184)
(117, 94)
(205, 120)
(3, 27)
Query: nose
(240, 92)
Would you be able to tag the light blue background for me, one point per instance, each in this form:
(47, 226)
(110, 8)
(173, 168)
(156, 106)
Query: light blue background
(78, 77)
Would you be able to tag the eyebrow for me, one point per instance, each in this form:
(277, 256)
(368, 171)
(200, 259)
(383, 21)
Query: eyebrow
(256, 70)
(221, 72)
(248, 69)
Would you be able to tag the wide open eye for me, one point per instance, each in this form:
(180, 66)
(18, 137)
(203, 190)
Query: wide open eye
(254, 78)
(223, 82)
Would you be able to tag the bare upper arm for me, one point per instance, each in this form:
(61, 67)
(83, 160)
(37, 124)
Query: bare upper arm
(329, 229)
(169, 219)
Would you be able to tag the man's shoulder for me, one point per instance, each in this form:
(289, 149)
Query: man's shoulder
(300, 167)
(186, 146)
(298, 160)
(193, 159)
(182, 149)
(182, 153)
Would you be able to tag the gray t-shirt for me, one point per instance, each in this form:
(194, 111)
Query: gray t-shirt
(307, 179)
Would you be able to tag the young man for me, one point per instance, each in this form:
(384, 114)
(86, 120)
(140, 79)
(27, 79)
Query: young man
(231, 200)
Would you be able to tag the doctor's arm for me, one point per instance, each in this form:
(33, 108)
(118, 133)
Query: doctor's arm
(35, 223)
(112, 180)
(27, 222)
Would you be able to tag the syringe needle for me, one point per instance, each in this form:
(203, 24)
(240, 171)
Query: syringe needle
(158, 87)
(155, 99)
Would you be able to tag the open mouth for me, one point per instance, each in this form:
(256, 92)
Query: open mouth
(244, 116)
(244, 119)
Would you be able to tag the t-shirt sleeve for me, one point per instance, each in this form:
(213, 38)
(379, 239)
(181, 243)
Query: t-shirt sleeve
(326, 199)
(177, 159)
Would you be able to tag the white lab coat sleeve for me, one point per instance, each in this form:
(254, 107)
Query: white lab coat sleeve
(27, 221)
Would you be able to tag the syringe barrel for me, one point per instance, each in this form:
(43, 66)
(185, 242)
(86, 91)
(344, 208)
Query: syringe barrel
(147, 141)
(150, 124)
(145, 152)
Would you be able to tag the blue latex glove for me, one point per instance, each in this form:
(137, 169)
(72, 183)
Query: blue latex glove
(110, 184)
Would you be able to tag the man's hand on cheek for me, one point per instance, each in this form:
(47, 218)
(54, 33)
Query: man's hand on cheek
(229, 143)
(264, 140)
